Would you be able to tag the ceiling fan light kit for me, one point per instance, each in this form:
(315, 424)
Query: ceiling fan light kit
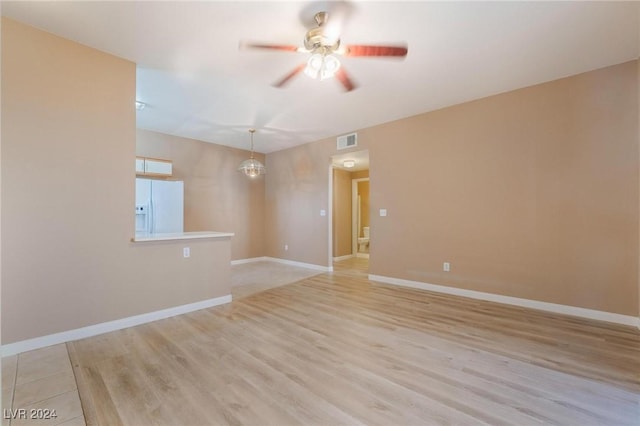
(323, 42)
(322, 66)
(252, 167)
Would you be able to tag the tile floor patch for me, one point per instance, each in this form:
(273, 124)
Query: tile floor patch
(34, 366)
(52, 411)
(41, 389)
(76, 421)
(9, 369)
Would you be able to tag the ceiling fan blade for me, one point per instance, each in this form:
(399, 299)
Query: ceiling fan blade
(289, 76)
(363, 50)
(344, 78)
(283, 47)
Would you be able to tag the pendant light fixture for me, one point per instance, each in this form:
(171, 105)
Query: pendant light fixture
(252, 167)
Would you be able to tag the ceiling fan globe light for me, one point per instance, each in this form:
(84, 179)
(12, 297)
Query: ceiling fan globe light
(314, 65)
(315, 61)
(322, 66)
(330, 66)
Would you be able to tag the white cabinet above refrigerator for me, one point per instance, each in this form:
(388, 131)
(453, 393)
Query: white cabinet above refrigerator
(154, 167)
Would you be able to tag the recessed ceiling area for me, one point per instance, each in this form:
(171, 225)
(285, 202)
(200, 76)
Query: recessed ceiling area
(197, 83)
(360, 160)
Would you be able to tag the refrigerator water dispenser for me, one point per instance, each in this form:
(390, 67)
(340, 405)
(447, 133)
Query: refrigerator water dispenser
(142, 219)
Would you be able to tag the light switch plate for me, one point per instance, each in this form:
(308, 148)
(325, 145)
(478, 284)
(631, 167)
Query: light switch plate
(323, 212)
(383, 212)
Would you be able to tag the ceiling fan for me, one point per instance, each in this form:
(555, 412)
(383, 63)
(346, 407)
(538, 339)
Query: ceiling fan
(323, 43)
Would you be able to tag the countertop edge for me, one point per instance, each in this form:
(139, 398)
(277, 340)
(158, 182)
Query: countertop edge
(181, 236)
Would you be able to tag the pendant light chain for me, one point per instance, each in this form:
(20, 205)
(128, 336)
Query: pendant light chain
(252, 131)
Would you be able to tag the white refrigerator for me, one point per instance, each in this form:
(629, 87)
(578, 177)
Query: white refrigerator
(159, 206)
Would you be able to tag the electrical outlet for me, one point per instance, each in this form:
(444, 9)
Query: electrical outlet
(446, 266)
(286, 247)
(186, 252)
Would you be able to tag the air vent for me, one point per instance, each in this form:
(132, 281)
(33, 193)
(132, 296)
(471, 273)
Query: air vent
(348, 141)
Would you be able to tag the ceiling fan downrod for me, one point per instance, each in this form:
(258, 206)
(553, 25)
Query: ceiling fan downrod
(317, 37)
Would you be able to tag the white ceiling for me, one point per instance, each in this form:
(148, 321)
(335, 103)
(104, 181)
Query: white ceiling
(198, 84)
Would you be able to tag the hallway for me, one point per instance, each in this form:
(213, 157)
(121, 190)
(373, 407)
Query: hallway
(355, 266)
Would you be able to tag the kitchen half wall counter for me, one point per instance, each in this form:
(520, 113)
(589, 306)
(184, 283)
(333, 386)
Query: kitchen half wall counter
(140, 238)
(178, 270)
(154, 277)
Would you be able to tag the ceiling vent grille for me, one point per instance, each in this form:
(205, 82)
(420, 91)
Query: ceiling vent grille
(348, 141)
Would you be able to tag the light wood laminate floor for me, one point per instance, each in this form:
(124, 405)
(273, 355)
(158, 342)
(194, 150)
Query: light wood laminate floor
(338, 349)
(254, 277)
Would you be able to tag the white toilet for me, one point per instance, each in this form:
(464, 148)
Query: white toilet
(363, 242)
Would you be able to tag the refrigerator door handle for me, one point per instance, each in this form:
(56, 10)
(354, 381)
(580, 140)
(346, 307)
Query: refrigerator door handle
(150, 211)
(152, 216)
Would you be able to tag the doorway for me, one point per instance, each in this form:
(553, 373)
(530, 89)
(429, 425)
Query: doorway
(349, 179)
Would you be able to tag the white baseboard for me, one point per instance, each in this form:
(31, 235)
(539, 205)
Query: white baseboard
(345, 257)
(508, 300)
(249, 260)
(363, 255)
(300, 264)
(106, 327)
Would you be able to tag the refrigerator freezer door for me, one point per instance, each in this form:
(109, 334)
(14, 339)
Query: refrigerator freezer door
(143, 191)
(167, 206)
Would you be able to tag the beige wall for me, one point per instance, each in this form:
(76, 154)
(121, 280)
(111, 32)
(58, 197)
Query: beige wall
(68, 144)
(532, 193)
(342, 237)
(296, 189)
(216, 196)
